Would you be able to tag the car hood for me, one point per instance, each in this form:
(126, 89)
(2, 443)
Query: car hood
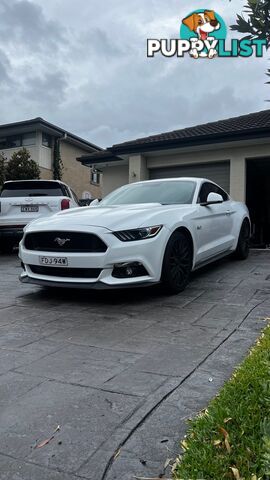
(112, 217)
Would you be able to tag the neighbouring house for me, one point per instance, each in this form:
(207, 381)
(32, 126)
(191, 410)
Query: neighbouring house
(235, 153)
(40, 137)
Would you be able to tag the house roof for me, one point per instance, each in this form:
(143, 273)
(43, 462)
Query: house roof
(40, 123)
(251, 121)
(99, 157)
(252, 125)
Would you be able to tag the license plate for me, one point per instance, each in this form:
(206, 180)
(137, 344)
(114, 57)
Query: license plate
(29, 208)
(54, 261)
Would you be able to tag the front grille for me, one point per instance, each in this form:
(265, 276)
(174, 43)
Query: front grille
(66, 272)
(64, 242)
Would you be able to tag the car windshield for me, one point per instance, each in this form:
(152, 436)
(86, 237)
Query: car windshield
(166, 193)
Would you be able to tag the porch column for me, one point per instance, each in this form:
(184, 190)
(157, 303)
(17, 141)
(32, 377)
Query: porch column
(238, 178)
(138, 169)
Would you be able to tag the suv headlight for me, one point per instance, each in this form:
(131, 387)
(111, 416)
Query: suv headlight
(138, 233)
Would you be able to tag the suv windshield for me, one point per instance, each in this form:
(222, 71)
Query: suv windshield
(166, 193)
(31, 189)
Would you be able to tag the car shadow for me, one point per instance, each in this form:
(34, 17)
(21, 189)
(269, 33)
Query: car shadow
(131, 296)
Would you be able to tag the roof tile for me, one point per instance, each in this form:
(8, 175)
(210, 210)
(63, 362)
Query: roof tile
(243, 123)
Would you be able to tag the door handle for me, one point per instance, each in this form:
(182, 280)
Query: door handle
(228, 212)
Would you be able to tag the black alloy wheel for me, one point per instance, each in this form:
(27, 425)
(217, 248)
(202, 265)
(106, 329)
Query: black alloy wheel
(242, 249)
(177, 263)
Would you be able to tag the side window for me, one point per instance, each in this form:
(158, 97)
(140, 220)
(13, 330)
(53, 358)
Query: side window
(207, 188)
(222, 193)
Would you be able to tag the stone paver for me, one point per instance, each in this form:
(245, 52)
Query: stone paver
(119, 372)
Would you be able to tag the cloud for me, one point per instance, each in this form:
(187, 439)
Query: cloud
(46, 90)
(83, 66)
(22, 24)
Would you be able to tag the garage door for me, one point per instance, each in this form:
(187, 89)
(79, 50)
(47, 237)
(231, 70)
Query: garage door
(217, 172)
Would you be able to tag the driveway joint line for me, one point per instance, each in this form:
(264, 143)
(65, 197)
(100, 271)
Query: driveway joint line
(149, 413)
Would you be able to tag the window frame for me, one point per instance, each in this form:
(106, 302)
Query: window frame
(98, 176)
(43, 134)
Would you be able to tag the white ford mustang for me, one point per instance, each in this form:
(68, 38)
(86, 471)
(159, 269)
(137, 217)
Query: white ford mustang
(142, 233)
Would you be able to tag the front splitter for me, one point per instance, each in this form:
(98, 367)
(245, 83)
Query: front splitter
(85, 286)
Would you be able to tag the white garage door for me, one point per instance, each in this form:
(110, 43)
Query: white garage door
(217, 172)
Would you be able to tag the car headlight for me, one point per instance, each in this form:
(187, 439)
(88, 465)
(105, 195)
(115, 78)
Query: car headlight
(138, 233)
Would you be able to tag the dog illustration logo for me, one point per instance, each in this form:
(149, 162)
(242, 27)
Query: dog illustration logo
(203, 35)
(203, 26)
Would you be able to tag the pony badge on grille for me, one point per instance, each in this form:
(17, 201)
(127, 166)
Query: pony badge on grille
(61, 241)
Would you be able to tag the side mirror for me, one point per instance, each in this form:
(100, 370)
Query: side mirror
(212, 199)
(94, 203)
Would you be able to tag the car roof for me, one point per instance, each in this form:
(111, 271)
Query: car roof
(181, 179)
(35, 180)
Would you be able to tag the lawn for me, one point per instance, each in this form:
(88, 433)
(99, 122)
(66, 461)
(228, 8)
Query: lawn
(231, 438)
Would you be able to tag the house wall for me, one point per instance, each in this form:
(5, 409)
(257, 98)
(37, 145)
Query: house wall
(34, 152)
(114, 177)
(46, 174)
(75, 174)
(138, 168)
(42, 155)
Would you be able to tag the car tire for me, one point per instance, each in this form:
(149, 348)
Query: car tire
(6, 246)
(242, 249)
(177, 263)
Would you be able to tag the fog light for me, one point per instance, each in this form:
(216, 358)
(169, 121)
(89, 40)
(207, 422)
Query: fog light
(129, 270)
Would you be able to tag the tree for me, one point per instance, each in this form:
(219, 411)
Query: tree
(22, 167)
(57, 161)
(2, 170)
(257, 25)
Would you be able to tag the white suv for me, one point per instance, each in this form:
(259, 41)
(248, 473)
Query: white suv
(22, 201)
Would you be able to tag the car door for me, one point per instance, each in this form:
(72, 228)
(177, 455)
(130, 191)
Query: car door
(213, 224)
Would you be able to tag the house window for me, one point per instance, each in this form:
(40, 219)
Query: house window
(10, 142)
(95, 177)
(29, 139)
(46, 140)
(15, 141)
(3, 142)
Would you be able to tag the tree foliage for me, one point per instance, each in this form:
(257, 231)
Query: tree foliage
(2, 170)
(57, 162)
(22, 167)
(257, 23)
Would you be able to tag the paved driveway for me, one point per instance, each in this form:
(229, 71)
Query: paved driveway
(119, 372)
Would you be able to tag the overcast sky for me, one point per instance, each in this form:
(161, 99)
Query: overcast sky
(82, 65)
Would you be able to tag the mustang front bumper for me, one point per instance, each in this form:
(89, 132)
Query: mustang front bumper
(148, 254)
